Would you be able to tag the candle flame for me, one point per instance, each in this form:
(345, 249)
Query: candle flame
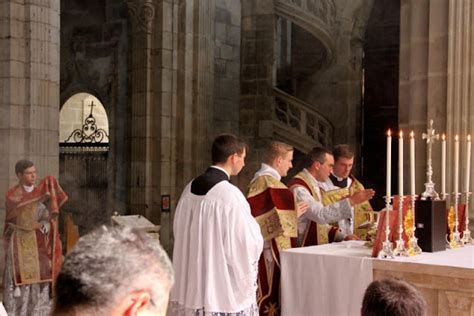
(469, 137)
(443, 137)
(456, 138)
(401, 133)
(412, 134)
(389, 133)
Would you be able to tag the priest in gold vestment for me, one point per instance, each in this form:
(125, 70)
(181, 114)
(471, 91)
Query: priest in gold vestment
(276, 211)
(342, 183)
(313, 225)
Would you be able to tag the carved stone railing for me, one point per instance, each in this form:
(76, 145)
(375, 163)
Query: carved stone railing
(318, 17)
(299, 123)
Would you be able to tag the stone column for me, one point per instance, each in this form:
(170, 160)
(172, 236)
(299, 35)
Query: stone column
(144, 134)
(165, 101)
(195, 88)
(29, 85)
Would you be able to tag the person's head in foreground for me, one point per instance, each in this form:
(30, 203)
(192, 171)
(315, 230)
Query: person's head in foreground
(392, 297)
(114, 271)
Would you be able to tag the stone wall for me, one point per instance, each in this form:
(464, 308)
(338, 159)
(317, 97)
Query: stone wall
(226, 67)
(256, 82)
(29, 81)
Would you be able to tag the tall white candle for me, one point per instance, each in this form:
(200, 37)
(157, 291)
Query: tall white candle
(400, 178)
(412, 163)
(400, 165)
(456, 165)
(443, 165)
(388, 193)
(468, 162)
(389, 165)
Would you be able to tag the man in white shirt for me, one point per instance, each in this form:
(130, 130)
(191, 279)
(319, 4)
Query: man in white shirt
(217, 242)
(313, 225)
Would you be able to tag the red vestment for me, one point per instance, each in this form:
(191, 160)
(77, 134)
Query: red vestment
(36, 256)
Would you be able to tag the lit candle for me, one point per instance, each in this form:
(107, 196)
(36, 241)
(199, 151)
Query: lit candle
(412, 163)
(389, 164)
(389, 178)
(456, 165)
(443, 165)
(468, 162)
(400, 166)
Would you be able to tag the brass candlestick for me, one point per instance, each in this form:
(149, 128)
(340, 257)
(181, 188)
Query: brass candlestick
(451, 224)
(413, 248)
(387, 247)
(466, 234)
(400, 249)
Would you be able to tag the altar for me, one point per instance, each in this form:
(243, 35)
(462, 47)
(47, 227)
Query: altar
(331, 279)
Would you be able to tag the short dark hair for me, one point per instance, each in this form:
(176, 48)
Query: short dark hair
(22, 165)
(317, 154)
(342, 151)
(225, 145)
(108, 264)
(392, 297)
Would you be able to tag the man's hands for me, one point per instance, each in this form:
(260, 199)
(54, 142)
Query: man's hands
(351, 237)
(301, 208)
(361, 196)
(37, 225)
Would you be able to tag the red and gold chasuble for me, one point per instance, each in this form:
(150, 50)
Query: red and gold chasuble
(361, 210)
(36, 256)
(315, 234)
(273, 206)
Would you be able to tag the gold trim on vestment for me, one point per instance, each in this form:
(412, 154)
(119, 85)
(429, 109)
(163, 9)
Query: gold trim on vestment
(360, 210)
(275, 222)
(27, 246)
(322, 229)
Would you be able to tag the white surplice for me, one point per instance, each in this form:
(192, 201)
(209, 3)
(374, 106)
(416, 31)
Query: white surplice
(216, 250)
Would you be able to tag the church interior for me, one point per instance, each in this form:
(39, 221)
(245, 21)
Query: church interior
(120, 99)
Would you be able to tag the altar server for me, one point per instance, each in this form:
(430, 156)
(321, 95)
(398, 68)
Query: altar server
(217, 241)
(274, 207)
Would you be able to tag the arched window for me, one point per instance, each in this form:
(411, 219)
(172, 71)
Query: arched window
(83, 120)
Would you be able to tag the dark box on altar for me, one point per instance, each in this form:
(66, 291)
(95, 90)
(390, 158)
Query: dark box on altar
(430, 219)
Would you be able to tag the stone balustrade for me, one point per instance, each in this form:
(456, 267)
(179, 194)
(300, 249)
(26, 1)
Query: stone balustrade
(301, 120)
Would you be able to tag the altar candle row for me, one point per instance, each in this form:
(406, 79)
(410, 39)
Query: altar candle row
(412, 164)
(456, 164)
(400, 164)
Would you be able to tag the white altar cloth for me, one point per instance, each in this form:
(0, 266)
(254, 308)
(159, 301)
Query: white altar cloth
(331, 279)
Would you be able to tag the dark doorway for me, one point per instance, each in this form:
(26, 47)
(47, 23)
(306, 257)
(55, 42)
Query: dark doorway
(380, 98)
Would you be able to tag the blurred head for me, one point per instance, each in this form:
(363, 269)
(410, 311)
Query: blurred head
(392, 297)
(343, 161)
(25, 171)
(279, 156)
(320, 163)
(114, 271)
(229, 150)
